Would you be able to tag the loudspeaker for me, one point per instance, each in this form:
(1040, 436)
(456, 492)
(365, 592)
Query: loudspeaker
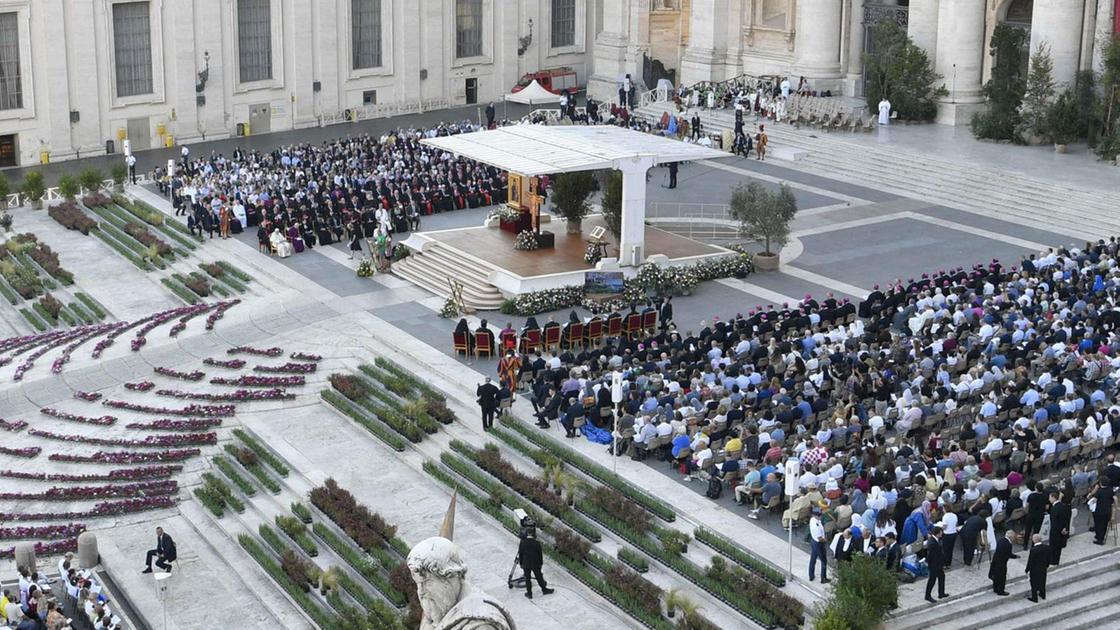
(423, 74)
(200, 100)
(75, 116)
(317, 86)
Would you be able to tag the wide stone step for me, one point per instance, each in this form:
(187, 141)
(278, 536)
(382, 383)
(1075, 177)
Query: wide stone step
(433, 276)
(1106, 616)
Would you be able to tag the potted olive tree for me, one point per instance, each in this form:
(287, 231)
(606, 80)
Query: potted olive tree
(570, 192)
(5, 190)
(68, 187)
(1061, 121)
(34, 189)
(764, 216)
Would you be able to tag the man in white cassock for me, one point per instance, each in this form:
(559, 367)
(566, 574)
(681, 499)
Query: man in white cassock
(884, 112)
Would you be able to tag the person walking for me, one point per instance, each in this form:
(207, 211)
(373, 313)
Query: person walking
(1038, 563)
(1101, 506)
(935, 560)
(818, 547)
(997, 572)
(762, 142)
(672, 175)
(1060, 516)
(490, 115)
(1036, 511)
(948, 526)
(531, 558)
(487, 394)
(130, 161)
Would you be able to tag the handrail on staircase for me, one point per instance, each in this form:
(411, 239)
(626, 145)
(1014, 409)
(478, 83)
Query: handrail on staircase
(661, 95)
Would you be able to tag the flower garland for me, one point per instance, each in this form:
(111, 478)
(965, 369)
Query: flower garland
(241, 395)
(83, 493)
(233, 364)
(504, 213)
(287, 368)
(186, 376)
(206, 411)
(88, 396)
(105, 508)
(157, 441)
(167, 424)
(249, 380)
(526, 241)
(127, 457)
(117, 474)
(302, 356)
(13, 426)
(54, 548)
(73, 417)
(139, 386)
(28, 452)
(265, 352)
(42, 531)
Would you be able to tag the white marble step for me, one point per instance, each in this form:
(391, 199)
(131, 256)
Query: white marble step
(432, 269)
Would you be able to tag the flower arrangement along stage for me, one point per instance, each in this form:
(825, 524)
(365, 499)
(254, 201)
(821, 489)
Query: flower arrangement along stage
(262, 352)
(365, 268)
(186, 376)
(127, 457)
(526, 241)
(206, 411)
(156, 441)
(287, 368)
(241, 395)
(250, 380)
(232, 364)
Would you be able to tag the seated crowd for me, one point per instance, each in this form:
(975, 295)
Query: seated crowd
(971, 401)
(42, 603)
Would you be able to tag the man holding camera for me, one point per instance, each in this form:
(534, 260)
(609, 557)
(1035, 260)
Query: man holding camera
(531, 558)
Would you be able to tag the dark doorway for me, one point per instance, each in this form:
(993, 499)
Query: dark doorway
(9, 151)
(472, 91)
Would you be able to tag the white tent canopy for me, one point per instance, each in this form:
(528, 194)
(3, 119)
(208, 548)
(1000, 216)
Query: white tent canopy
(533, 94)
(544, 150)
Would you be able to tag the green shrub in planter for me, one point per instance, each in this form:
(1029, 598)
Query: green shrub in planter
(91, 180)
(68, 187)
(33, 188)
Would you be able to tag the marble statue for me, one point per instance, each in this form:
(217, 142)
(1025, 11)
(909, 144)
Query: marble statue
(446, 597)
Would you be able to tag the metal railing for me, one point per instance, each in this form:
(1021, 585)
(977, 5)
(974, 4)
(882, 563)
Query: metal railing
(18, 199)
(669, 210)
(383, 110)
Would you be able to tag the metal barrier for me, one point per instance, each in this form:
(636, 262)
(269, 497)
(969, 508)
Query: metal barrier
(384, 110)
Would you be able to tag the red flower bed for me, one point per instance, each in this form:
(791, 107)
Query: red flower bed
(119, 474)
(73, 417)
(139, 386)
(112, 491)
(127, 457)
(207, 411)
(14, 425)
(28, 452)
(249, 380)
(233, 364)
(366, 528)
(155, 441)
(88, 396)
(42, 531)
(262, 352)
(186, 376)
(241, 395)
(287, 368)
(301, 356)
(141, 233)
(167, 424)
(71, 217)
(105, 508)
(55, 548)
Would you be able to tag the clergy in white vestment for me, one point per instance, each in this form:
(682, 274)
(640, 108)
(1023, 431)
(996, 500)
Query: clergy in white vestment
(884, 112)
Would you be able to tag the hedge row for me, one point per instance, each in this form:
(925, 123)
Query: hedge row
(262, 452)
(376, 427)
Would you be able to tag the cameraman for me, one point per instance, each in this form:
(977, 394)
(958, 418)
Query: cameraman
(531, 557)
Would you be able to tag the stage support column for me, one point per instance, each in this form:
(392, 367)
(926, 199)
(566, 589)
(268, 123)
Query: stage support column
(632, 249)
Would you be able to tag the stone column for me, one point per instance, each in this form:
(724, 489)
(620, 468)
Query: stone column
(703, 59)
(1057, 23)
(610, 51)
(960, 59)
(87, 550)
(25, 555)
(632, 240)
(1105, 17)
(638, 45)
(922, 26)
(853, 81)
(818, 43)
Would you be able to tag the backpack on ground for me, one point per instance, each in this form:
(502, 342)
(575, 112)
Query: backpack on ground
(715, 488)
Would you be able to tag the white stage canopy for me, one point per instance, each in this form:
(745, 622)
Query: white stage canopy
(546, 150)
(533, 94)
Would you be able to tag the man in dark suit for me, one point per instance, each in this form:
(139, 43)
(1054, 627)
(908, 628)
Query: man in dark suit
(164, 553)
(487, 400)
(997, 572)
(531, 558)
(935, 560)
(672, 174)
(666, 313)
(1060, 515)
(1036, 512)
(550, 410)
(1038, 563)
(1103, 513)
(971, 529)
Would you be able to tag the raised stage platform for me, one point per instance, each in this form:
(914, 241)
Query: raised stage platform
(484, 260)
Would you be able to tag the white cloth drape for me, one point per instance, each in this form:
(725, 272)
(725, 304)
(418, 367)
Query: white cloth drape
(366, 33)
(132, 48)
(11, 89)
(254, 32)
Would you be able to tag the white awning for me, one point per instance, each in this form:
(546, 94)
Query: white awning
(544, 150)
(533, 94)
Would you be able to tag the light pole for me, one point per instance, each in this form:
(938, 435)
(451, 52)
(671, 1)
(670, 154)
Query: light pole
(616, 398)
(793, 481)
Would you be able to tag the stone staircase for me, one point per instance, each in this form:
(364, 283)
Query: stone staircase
(432, 268)
(1079, 596)
(1009, 196)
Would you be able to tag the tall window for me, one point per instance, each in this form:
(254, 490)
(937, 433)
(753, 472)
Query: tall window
(365, 18)
(132, 48)
(254, 30)
(11, 88)
(468, 28)
(563, 23)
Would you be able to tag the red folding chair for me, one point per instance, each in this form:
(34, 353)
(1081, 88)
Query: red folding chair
(530, 341)
(461, 342)
(614, 325)
(575, 335)
(552, 336)
(649, 321)
(633, 325)
(508, 339)
(593, 332)
(484, 344)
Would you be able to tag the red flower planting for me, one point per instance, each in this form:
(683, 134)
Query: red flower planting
(207, 411)
(233, 364)
(28, 452)
(13, 425)
(250, 380)
(287, 368)
(55, 548)
(154, 441)
(186, 376)
(301, 356)
(127, 457)
(73, 417)
(43, 531)
(139, 386)
(112, 491)
(88, 396)
(105, 508)
(263, 352)
(167, 424)
(241, 395)
(119, 474)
